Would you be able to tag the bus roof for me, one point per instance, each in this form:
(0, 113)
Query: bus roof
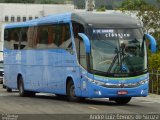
(44, 20)
(87, 18)
(109, 20)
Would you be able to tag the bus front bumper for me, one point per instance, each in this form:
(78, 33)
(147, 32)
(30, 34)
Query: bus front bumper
(92, 90)
(96, 91)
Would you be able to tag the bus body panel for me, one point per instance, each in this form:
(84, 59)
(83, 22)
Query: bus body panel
(42, 70)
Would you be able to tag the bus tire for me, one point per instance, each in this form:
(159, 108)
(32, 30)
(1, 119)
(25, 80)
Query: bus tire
(30, 94)
(71, 92)
(122, 101)
(22, 92)
(9, 89)
(4, 87)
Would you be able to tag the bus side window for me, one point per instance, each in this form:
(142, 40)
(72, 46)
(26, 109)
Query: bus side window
(23, 41)
(83, 57)
(78, 28)
(43, 37)
(58, 36)
(11, 39)
(14, 41)
(51, 37)
(32, 37)
(66, 42)
(7, 38)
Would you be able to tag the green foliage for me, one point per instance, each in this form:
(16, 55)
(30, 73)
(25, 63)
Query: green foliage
(101, 9)
(147, 13)
(133, 4)
(154, 61)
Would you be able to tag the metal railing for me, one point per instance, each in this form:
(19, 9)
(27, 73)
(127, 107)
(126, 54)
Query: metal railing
(154, 81)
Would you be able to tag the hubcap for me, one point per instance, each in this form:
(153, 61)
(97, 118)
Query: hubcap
(21, 88)
(72, 91)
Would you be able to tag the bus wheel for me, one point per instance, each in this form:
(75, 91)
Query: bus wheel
(4, 87)
(71, 92)
(122, 101)
(9, 89)
(21, 87)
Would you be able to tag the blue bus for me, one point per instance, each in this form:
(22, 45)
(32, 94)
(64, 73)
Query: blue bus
(80, 55)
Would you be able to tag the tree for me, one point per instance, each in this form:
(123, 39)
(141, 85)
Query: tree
(101, 9)
(148, 14)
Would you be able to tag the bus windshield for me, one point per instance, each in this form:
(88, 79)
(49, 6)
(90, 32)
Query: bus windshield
(117, 50)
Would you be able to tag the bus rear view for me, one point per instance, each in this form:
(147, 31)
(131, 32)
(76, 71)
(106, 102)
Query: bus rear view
(107, 58)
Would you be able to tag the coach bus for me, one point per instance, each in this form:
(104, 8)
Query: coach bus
(79, 55)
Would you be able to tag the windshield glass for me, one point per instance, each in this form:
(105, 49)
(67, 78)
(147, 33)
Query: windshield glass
(117, 50)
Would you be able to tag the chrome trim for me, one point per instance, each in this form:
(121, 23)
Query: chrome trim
(120, 85)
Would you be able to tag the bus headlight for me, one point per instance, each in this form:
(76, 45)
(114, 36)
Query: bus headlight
(118, 85)
(143, 82)
(94, 81)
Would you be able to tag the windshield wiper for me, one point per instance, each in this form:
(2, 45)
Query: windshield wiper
(114, 60)
(119, 53)
(116, 57)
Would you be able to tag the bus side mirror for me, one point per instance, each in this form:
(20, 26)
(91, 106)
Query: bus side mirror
(153, 44)
(86, 42)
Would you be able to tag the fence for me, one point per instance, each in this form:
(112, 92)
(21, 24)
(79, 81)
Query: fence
(154, 81)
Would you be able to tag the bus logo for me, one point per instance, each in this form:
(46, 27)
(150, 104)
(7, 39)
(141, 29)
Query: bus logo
(18, 56)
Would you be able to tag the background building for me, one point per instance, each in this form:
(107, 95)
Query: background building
(12, 12)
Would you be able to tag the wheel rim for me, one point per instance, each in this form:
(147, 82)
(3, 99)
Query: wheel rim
(21, 88)
(72, 91)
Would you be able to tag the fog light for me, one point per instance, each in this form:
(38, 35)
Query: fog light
(142, 92)
(97, 92)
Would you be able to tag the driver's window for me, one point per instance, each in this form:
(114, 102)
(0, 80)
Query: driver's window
(80, 48)
(83, 59)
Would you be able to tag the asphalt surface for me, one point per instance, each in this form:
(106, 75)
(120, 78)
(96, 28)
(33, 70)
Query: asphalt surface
(48, 106)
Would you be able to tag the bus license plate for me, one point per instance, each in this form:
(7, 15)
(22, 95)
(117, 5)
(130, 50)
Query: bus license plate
(122, 92)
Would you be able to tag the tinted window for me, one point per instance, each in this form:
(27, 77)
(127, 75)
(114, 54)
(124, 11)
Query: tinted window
(11, 38)
(42, 37)
(54, 36)
(6, 38)
(51, 36)
(39, 37)
(83, 57)
(78, 28)
(64, 38)
(32, 37)
(23, 40)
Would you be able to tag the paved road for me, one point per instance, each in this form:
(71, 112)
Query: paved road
(11, 103)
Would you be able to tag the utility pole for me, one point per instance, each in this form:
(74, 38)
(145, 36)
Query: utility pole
(90, 4)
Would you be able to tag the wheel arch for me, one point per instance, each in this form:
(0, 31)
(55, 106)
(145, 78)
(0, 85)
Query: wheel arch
(69, 79)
